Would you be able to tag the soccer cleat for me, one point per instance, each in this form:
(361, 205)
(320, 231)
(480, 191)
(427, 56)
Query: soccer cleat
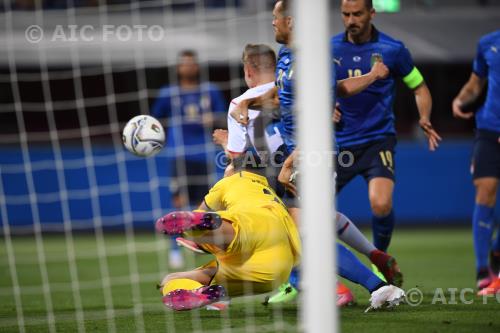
(386, 297)
(176, 223)
(484, 278)
(378, 273)
(344, 295)
(387, 266)
(286, 293)
(190, 245)
(183, 299)
(492, 289)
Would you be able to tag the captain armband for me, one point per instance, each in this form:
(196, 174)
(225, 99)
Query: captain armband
(414, 79)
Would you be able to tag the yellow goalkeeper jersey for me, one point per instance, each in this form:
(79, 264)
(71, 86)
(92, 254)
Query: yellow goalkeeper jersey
(266, 245)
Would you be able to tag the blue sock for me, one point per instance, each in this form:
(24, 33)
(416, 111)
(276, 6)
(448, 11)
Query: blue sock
(482, 230)
(382, 228)
(349, 267)
(294, 278)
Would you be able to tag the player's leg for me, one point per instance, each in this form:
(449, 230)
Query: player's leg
(190, 290)
(288, 291)
(380, 192)
(486, 172)
(377, 165)
(352, 236)
(349, 267)
(483, 226)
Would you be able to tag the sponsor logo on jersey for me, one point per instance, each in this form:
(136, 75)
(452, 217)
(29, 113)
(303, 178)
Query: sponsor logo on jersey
(337, 61)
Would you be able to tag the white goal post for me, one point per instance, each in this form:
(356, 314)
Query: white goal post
(316, 181)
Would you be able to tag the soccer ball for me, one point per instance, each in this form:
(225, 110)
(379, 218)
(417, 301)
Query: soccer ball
(143, 136)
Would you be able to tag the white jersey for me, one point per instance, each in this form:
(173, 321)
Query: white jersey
(241, 137)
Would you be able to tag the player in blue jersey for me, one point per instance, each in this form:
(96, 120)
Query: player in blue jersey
(365, 122)
(190, 109)
(486, 157)
(282, 23)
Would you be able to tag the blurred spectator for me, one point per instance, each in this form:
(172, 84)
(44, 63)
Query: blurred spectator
(191, 109)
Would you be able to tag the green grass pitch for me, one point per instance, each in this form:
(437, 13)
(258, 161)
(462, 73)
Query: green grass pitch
(429, 259)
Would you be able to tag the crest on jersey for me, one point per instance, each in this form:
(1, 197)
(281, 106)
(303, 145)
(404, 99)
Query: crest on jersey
(356, 58)
(375, 57)
(494, 49)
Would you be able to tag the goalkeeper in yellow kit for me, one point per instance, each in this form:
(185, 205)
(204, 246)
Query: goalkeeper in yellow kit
(248, 230)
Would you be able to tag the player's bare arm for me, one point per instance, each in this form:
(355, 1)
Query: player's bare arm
(267, 101)
(354, 85)
(287, 170)
(219, 137)
(423, 99)
(469, 93)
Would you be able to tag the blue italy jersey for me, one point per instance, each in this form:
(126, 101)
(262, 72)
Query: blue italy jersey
(285, 84)
(369, 115)
(184, 110)
(487, 66)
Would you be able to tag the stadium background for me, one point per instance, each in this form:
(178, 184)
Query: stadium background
(432, 188)
(63, 168)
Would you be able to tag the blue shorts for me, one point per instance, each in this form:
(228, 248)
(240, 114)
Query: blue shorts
(486, 155)
(370, 160)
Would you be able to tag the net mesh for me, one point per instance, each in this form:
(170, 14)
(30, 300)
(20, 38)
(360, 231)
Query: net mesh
(79, 251)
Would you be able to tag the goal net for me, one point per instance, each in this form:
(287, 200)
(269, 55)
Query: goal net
(79, 251)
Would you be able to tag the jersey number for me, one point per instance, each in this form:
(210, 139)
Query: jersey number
(386, 157)
(354, 72)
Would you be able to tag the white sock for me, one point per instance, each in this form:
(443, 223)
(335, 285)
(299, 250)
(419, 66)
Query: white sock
(350, 234)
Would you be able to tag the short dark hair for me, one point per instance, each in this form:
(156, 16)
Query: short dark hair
(188, 53)
(368, 3)
(259, 56)
(285, 7)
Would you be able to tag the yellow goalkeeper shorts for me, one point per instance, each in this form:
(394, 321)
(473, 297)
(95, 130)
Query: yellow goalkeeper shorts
(262, 254)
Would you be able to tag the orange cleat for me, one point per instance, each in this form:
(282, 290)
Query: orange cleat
(492, 289)
(344, 295)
